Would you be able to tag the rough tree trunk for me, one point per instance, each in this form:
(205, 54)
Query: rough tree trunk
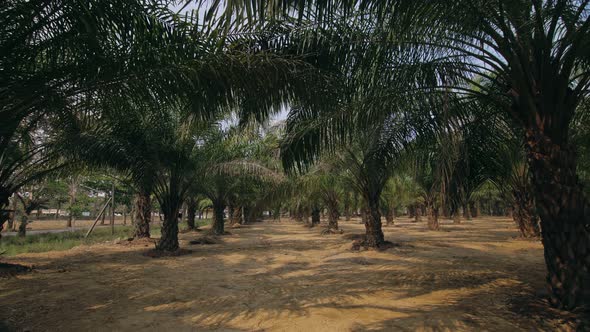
(457, 215)
(12, 216)
(73, 193)
(418, 214)
(22, 228)
(57, 211)
(524, 214)
(230, 213)
(445, 210)
(565, 219)
(315, 216)
(509, 212)
(347, 212)
(374, 237)
(235, 215)
(333, 218)
(169, 238)
(299, 214)
(218, 227)
(249, 214)
(432, 220)
(390, 216)
(467, 212)
(143, 215)
(70, 220)
(191, 214)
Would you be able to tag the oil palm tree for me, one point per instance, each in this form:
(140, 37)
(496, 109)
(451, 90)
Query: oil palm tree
(56, 55)
(368, 161)
(234, 158)
(324, 186)
(534, 52)
(511, 176)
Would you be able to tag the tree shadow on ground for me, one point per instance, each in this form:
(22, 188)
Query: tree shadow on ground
(263, 277)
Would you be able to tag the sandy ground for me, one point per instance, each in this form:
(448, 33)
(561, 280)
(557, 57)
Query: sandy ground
(284, 277)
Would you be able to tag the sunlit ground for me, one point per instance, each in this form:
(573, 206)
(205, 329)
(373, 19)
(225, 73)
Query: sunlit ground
(283, 276)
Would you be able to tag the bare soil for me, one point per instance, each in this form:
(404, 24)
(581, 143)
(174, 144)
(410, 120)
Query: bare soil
(476, 276)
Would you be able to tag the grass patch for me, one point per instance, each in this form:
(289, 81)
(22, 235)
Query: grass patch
(14, 245)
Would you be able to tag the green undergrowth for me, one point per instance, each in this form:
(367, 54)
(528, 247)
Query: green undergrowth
(34, 243)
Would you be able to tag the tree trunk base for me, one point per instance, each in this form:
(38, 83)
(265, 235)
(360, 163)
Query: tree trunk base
(564, 211)
(360, 245)
(156, 253)
(214, 232)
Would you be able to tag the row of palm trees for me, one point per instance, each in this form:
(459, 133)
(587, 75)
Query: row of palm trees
(528, 60)
(453, 94)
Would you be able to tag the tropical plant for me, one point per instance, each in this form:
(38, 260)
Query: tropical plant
(535, 55)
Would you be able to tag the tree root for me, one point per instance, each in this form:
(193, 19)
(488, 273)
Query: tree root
(361, 245)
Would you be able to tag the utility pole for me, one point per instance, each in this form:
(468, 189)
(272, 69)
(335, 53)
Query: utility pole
(113, 209)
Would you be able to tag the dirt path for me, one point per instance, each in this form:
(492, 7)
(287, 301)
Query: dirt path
(284, 277)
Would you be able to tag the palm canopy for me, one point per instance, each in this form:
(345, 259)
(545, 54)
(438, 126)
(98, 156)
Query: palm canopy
(533, 53)
(62, 58)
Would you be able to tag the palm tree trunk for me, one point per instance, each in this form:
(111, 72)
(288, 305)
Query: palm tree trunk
(218, 227)
(306, 216)
(390, 216)
(12, 215)
(457, 216)
(347, 211)
(235, 215)
(445, 210)
(169, 239)
(432, 220)
(374, 237)
(143, 215)
(524, 214)
(108, 211)
(22, 228)
(467, 211)
(299, 214)
(248, 214)
(230, 213)
(565, 219)
(73, 192)
(333, 217)
(191, 214)
(417, 213)
(315, 216)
